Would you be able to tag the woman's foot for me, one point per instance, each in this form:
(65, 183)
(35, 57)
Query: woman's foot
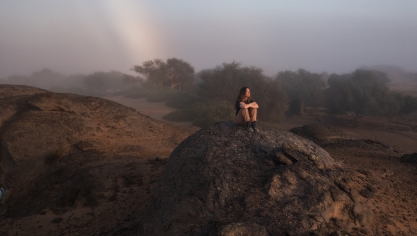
(254, 127)
(248, 127)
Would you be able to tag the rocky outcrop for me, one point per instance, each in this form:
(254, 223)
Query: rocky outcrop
(44, 135)
(226, 181)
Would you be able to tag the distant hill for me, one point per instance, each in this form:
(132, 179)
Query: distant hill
(395, 73)
(402, 80)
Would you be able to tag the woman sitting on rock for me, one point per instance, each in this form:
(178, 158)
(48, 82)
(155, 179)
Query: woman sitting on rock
(246, 110)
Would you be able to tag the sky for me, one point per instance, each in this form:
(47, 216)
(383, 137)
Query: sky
(331, 36)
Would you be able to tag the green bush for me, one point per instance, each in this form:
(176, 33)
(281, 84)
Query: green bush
(208, 113)
(204, 114)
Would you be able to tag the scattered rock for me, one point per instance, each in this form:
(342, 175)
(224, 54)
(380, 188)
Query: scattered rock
(363, 171)
(367, 193)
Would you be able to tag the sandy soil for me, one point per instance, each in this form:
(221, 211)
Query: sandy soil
(156, 110)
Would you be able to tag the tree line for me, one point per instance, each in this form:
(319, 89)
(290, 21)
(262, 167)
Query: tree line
(95, 84)
(208, 96)
(366, 93)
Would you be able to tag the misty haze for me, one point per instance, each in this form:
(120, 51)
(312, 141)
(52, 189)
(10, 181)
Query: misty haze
(120, 117)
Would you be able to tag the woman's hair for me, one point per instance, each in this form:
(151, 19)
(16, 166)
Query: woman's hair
(242, 93)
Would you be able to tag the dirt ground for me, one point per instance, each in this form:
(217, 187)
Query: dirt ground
(155, 110)
(126, 189)
(386, 182)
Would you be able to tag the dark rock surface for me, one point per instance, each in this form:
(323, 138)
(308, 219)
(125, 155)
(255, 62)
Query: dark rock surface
(50, 141)
(409, 158)
(226, 181)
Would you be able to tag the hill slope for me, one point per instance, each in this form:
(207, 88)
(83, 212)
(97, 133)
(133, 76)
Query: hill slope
(70, 160)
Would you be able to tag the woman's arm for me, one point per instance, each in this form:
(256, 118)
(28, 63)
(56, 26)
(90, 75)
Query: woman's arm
(250, 105)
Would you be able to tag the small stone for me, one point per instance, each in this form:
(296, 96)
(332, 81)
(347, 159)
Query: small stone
(57, 220)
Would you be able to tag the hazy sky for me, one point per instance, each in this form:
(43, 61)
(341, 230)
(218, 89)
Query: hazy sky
(81, 36)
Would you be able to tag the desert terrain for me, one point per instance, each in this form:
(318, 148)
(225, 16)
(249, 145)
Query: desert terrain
(398, 132)
(104, 181)
(374, 163)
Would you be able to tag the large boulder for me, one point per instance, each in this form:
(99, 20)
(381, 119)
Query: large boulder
(226, 181)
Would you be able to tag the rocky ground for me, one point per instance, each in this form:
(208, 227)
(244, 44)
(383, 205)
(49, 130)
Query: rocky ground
(378, 171)
(77, 165)
(88, 166)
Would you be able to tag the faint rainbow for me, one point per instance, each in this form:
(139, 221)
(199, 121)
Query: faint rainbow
(130, 20)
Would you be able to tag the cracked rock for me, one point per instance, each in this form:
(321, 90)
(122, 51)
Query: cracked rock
(238, 183)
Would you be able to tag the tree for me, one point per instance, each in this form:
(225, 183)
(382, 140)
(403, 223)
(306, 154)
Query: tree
(408, 103)
(224, 82)
(302, 86)
(339, 96)
(365, 92)
(179, 73)
(134, 80)
(104, 81)
(174, 73)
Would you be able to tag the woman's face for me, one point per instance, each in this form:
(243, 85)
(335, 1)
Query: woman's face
(247, 94)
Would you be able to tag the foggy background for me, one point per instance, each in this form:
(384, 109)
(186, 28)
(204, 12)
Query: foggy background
(77, 37)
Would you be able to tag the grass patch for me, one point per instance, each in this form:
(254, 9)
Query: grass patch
(203, 114)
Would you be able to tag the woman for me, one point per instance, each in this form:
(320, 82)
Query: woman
(246, 110)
